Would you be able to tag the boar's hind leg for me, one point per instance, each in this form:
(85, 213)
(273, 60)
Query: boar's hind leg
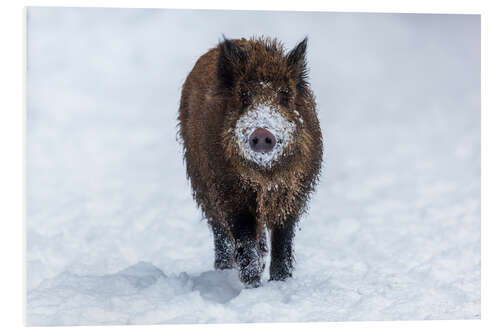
(262, 243)
(282, 251)
(224, 249)
(247, 257)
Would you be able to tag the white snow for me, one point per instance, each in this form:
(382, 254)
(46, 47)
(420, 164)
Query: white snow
(263, 116)
(113, 234)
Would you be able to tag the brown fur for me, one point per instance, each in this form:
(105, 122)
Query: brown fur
(224, 183)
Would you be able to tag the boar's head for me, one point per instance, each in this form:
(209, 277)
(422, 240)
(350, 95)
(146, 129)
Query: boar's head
(270, 119)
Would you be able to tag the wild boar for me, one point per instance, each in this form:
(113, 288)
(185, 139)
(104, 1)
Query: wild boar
(253, 150)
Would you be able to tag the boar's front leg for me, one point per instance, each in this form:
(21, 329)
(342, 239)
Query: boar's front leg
(224, 248)
(282, 251)
(247, 255)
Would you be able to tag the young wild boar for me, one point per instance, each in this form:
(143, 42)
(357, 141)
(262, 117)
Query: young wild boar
(253, 150)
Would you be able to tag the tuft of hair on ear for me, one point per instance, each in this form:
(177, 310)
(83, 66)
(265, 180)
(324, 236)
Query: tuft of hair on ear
(231, 60)
(296, 59)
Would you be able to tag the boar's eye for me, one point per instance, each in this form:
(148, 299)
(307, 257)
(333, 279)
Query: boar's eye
(245, 99)
(284, 97)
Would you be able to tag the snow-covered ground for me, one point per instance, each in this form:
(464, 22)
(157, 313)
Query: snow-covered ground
(114, 237)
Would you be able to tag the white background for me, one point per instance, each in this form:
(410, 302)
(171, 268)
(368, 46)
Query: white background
(11, 193)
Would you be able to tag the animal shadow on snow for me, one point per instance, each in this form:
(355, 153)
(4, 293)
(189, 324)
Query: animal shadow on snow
(215, 286)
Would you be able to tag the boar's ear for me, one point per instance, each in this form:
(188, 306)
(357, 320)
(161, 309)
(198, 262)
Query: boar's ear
(296, 60)
(231, 60)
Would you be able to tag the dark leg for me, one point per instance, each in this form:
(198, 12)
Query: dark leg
(282, 251)
(224, 248)
(247, 256)
(262, 244)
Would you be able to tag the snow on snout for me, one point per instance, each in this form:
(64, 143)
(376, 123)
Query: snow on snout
(263, 116)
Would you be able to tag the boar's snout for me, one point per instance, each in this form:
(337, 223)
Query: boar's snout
(262, 141)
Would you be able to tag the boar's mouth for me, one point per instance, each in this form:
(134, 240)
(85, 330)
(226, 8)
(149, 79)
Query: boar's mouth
(263, 118)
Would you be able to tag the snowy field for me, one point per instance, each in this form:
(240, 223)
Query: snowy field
(114, 237)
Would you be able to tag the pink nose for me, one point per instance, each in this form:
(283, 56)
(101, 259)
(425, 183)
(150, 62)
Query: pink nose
(262, 141)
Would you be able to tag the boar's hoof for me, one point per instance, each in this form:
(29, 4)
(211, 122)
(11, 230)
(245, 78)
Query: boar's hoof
(279, 272)
(250, 265)
(282, 276)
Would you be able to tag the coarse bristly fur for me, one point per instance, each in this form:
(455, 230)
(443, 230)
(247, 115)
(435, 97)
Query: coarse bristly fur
(240, 196)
